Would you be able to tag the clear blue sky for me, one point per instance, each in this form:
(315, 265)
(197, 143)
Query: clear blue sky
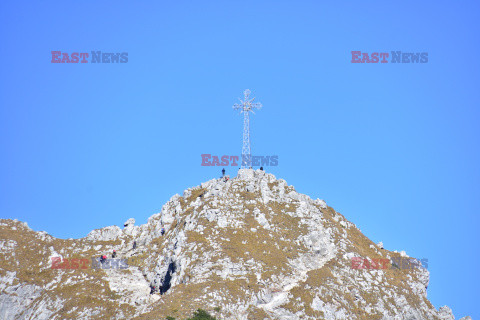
(394, 147)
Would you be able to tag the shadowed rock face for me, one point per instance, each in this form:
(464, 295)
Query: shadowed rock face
(167, 278)
(245, 248)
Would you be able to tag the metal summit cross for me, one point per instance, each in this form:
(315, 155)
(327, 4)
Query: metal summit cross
(246, 106)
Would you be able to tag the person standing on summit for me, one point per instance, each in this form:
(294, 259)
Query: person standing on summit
(223, 172)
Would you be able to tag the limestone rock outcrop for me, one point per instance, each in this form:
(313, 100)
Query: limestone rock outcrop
(249, 247)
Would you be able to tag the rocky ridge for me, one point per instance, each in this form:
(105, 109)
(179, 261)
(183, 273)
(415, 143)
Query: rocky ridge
(250, 247)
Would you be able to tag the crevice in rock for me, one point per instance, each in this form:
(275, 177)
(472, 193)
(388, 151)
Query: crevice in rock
(168, 277)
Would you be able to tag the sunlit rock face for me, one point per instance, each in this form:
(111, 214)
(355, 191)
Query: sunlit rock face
(249, 247)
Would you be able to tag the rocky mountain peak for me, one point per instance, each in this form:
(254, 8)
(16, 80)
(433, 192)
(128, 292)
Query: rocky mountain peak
(249, 247)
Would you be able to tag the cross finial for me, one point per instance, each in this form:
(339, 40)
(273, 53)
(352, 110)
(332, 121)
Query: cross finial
(246, 106)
